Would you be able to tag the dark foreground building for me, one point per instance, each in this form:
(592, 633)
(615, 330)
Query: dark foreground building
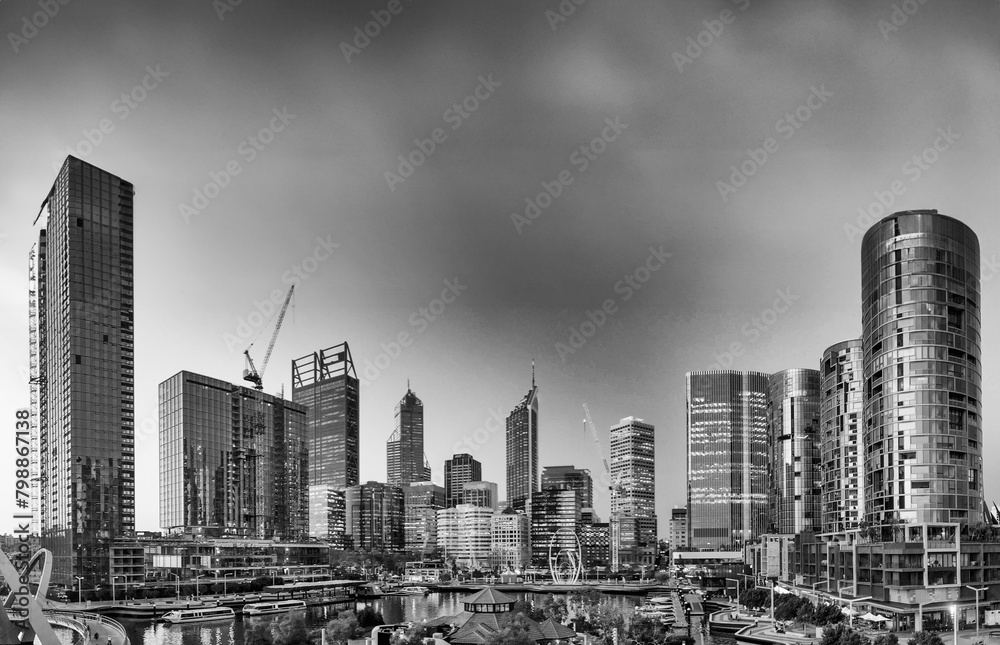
(82, 352)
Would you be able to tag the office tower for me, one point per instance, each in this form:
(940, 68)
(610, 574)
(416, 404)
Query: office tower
(328, 515)
(458, 471)
(633, 476)
(595, 544)
(326, 383)
(480, 494)
(589, 516)
(727, 457)
(375, 517)
(510, 540)
(678, 528)
(555, 520)
(421, 502)
(920, 290)
(522, 449)
(570, 478)
(841, 411)
(465, 534)
(82, 365)
(405, 460)
(233, 461)
(794, 477)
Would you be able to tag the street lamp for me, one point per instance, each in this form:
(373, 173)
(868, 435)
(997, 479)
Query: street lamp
(178, 585)
(113, 578)
(954, 622)
(79, 588)
(977, 590)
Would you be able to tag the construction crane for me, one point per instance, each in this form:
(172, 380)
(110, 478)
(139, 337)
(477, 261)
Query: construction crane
(250, 372)
(614, 485)
(254, 504)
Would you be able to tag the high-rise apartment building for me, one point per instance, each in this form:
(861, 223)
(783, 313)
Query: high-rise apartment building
(522, 449)
(570, 478)
(374, 517)
(595, 544)
(465, 533)
(841, 418)
(327, 384)
(480, 494)
(233, 461)
(727, 457)
(794, 468)
(82, 363)
(421, 502)
(510, 540)
(923, 437)
(634, 496)
(405, 460)
(458, 471)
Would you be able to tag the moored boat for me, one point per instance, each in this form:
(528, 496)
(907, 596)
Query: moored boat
(200, 615)
(276, 607)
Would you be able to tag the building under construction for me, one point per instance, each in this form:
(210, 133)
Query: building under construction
(234, 461)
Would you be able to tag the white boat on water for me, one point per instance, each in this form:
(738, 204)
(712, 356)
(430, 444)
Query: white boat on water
(201, 615)
(276, 607)
(414, 591)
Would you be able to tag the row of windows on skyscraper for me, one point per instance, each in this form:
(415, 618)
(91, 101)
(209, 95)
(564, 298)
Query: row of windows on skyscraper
(887, 430)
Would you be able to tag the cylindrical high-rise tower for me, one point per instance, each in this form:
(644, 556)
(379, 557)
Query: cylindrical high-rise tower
(921, 318)
(794, 467)
(841, 418)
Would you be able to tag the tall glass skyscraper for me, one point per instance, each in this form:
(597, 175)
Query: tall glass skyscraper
(83, 370)
(327, 384)
(794, 479)
(405, 460)
(570, 478)
(633, 502)
(522, 449)
(233, 461)
(727, 457)
(841, 412)
(923, 436)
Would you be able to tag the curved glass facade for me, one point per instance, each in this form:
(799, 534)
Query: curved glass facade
(922, 370)
(727, 458)
(794, 439)
(841, 414)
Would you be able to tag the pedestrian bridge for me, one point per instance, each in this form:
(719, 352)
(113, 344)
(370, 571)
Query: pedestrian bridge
(23, 619)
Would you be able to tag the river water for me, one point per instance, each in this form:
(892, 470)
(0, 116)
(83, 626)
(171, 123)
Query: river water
(394, 609)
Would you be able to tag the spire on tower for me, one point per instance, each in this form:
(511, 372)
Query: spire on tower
(532, 372)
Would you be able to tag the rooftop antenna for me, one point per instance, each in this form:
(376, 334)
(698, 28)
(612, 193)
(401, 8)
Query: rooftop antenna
(532, 372)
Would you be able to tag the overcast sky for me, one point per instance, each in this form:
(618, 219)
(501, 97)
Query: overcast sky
(286, 121)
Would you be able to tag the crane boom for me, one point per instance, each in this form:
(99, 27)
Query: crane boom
(251, 373)
(600, 449)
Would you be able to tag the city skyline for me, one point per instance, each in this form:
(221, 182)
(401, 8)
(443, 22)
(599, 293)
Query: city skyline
(763, 279)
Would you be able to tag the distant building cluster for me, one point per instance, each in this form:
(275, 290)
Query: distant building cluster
(238, 465)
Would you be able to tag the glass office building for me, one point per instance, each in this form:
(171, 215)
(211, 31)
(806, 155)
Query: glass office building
(83, 370)
(405, 460)
(634, 476)
(923, 436)
(458, 471)
(327, 384)
(522, 449)
(840, 419)
(727, 457)
(794, 478)
(233, 461)
(375, 517)
(570, 478)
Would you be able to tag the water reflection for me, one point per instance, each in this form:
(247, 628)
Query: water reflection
(394, 609)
